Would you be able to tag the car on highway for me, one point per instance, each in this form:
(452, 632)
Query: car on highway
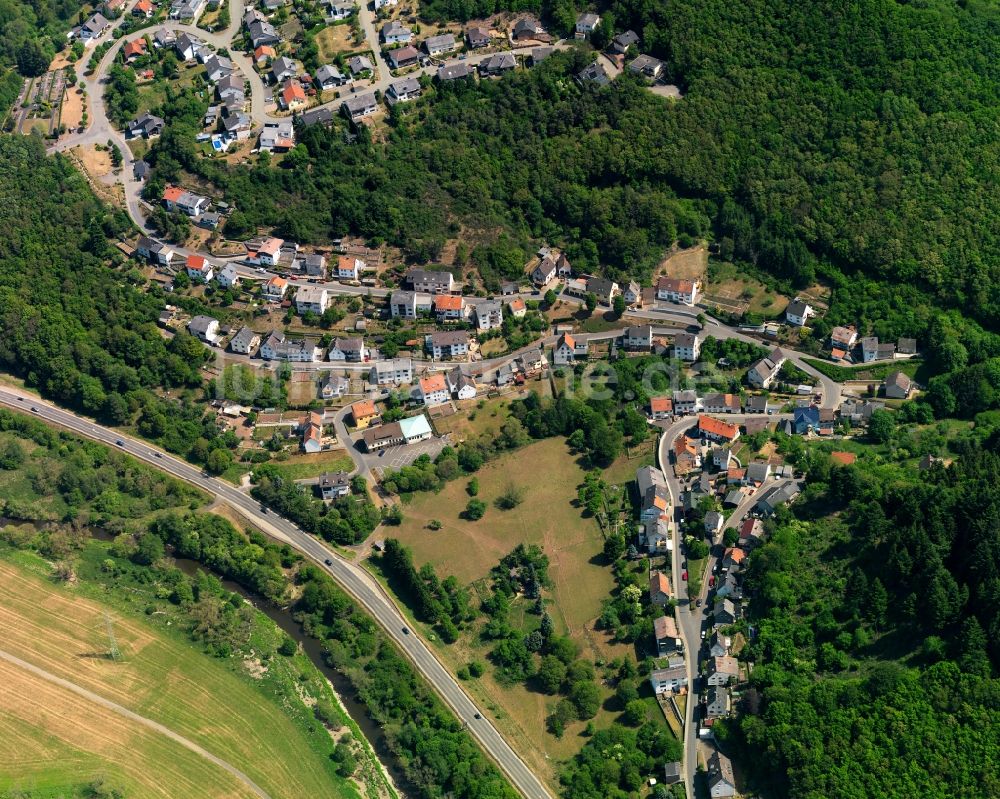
(328, 562)
(406, 631)
(476, 716)
(684, 576)
(34, 409)
(20, 399)
(119, 442)
(157, 455)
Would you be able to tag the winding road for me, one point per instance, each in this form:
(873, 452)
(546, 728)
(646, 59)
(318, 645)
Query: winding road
(362, 587)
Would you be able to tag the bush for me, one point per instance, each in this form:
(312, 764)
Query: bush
(475, 510)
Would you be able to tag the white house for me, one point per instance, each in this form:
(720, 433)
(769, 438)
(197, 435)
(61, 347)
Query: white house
(409, 304)
(638, 338)
(278, 348)
(349, 268)
(586, 24)
(245, 341)
(275, 288)
(200, 268)
(333, 485)
(461, 386)
(447, 344)
(798, 312)
(269, 252)
(433, 390)
(391, 373)
(395, 32)
(489, 315)
(763, 373)
(352, 350)
(229, 277)
(312, 299)
(568, 349)
(675, 290)
(206, 328)
(669, 680)
(687, 347)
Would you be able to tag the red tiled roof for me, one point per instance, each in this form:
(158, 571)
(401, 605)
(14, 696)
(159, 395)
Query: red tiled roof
(448, 302)
(362, 409)
(172, 193)
(717, 427)
(661, 404)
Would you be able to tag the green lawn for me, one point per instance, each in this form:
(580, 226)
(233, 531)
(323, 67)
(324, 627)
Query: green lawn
(914, 367)
(300, 467)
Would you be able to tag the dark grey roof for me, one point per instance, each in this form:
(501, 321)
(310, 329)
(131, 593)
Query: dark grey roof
(454, 71)
(317, 116)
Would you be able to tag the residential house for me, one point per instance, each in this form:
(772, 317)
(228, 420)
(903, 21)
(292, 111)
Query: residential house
(477, 36)
(328, 77)
(659, 589)
(869, 349)
(231, 90)
(722, 457)
(276, 137)
(145, 125)
(497, 64)
(489, 315)
(687, 455)
(782, 495)
(274, 289)
(449, 307)
(363, 412)
(186, 9)
(433, 390)
(155, 251)
(245, 342)
(379, 4)
(176, 199)
(517, 308)
(133, 50)
(638, 338)
(717, 430)
(568, 349)
(453, 71)
(431, 281)
(672, 773)
(595, 74)
(403, 90)
(529, 29)
(263, 54)
(646, 66)
(733, 558)
(334, 386)
(718, 645)
(531, 361)
(545, 272)
(717, 704)
(317, 116)
(539, 54)
(262, 32)
(277, 347)
(714, 522)
(461, 386)
(725, 612)
(623, 41)
(205, 328)
(504, 375)
(843, 338)
(672, 289)
(415, 428)
(586, 24)
(898, 386)
(312, 433)
(721, 403)
(338, 10)
(334, 485)
(164, 38)
(313, 265)
(654, 497)
(756, 404)
(395, 32)
(187, 46)
(685, 402)
(447, 345)
(906, 347)
(382, 436)
(199, 268)
(668, 640)
(229, 277)
(632, 293)
(94, 27)
(144, 8)
(217, 67)
(312, 299)
(669, 680)
(293, 96)
(721, 782)
(237, 125)
(351, 350)
(660, 408)
(758, 473)
(394, 372)
(403, 57)
(763, 373)
(140, 170)
(805, 420)
(687, 347)
(283, 68)
(798, 312)
(268, 253)
(349, 267)
(751, 533)
(409, 304)
(360, 65)
(604, 290)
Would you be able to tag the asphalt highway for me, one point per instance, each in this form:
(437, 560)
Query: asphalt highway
(362, 587)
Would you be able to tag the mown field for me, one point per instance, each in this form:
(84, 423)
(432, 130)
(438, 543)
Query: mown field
(53, 738)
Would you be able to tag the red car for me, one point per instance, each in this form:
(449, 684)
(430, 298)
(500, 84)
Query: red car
(684, 576)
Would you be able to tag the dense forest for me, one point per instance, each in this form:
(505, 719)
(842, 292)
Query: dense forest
(876, 615)
(75, 322)
(32, 32)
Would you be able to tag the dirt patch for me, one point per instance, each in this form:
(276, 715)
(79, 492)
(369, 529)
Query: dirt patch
(337, 39)
(690, 264)
(73, 107)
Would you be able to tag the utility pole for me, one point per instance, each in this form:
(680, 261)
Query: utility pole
(113, 652)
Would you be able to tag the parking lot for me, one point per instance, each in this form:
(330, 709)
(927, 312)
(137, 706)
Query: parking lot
(404, 455)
